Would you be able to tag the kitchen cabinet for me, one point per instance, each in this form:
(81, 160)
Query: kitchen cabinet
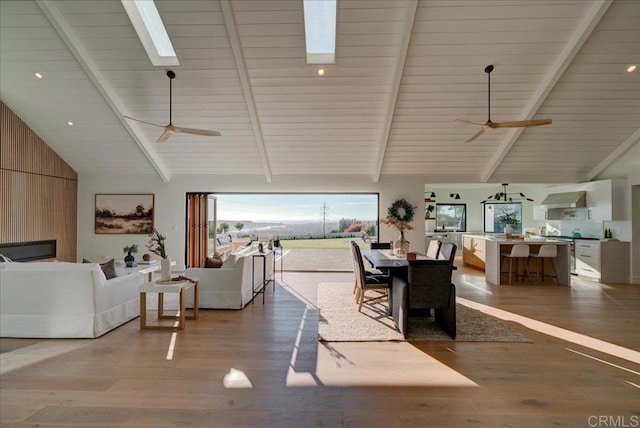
(473, 251)
(539, 212)
(605, 200)
(603, 261)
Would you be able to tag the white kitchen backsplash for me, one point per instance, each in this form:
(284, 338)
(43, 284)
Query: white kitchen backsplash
(586, 228)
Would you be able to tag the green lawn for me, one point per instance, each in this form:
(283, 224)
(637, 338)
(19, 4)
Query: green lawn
(320, 243)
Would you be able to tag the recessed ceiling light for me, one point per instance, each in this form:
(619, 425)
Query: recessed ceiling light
(632, 68)
(70, 123)
(321, 72)
(38, 75)
(320, 31)
(152, 33)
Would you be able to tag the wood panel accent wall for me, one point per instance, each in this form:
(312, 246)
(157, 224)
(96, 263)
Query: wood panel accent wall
(38, 190)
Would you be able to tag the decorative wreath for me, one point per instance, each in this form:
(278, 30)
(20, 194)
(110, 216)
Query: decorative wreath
(401, 210)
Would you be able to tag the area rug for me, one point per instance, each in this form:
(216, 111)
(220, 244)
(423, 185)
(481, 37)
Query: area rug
(340, 321)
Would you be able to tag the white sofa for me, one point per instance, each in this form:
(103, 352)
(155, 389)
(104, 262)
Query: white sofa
(63, 300)
(229, 286)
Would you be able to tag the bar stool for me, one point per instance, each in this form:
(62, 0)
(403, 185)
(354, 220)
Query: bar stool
(518, 251)
(546, 251)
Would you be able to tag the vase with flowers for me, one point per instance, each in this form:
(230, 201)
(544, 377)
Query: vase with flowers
(156, 245)
(400, 215)
(509, 219)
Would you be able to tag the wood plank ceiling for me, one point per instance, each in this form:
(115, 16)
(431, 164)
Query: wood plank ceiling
(405, 70)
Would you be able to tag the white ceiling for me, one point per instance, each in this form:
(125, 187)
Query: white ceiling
(405, 70)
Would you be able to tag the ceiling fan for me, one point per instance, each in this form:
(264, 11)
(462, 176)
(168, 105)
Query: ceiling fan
(170, 128)
(489, 124)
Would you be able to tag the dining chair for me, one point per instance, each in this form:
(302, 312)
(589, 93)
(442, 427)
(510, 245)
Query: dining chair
(448, 252)
(352, 247)
(366, 282)
(380, 245)
(430, 287)
(434, 248)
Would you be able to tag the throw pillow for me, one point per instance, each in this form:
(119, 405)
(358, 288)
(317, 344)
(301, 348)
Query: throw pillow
(212, 262)
(108, 268)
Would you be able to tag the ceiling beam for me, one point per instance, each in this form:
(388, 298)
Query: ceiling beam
(67, 34)
(582, 33)
(236, 47)
(409, 19)
(614, 155)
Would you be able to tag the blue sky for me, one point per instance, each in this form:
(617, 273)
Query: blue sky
(296, 207)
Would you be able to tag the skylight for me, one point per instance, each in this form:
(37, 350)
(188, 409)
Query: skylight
(320, 31)
(151, 31)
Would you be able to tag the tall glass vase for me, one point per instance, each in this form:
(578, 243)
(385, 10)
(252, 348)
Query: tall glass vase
(401, 247)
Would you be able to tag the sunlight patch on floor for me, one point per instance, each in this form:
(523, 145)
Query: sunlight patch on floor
(33, 354)
(345, 364)
(236, 379)
(560, 333)
(172, 346)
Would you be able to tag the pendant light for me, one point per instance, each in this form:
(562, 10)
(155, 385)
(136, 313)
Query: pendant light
(504, 196)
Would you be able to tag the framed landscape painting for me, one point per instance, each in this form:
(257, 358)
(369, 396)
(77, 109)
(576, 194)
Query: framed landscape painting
(124, 213)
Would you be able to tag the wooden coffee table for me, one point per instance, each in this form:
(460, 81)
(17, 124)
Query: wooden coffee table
(161, 287)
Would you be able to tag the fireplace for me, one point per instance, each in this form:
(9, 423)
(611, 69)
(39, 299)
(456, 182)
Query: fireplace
(29, 251)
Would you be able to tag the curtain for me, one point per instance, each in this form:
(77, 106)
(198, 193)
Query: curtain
(197, 229)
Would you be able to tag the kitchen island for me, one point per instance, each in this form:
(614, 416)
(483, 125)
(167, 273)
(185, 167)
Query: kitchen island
(494, 246)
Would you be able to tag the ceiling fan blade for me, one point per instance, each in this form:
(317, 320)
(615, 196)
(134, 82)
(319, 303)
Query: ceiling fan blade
(468, 122)
(165, 136)
(193, 131)
(142, 121)
(476, 135)
(520, 123)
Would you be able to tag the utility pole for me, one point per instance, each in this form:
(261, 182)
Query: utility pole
(324, 211)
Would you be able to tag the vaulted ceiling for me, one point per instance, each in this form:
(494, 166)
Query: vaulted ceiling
(405, 70)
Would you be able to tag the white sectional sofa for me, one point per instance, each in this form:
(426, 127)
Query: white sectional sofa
(230, 286)
(64, 300)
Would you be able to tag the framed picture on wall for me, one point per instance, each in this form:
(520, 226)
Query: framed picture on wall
(124, 213)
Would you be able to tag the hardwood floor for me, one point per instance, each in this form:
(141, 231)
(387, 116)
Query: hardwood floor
(263, 366)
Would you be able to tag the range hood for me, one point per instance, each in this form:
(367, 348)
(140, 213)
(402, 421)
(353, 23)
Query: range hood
(566, 200)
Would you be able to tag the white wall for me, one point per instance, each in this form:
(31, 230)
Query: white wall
(170, 205)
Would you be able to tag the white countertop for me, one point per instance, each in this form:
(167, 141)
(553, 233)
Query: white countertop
(501, 239)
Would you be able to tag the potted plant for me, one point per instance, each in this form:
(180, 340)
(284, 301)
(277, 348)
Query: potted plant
(156, 245)
(129, 259)
(509, 219)
(429, 212)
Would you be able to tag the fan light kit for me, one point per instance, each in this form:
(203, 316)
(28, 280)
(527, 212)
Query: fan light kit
(492, 125)
(507, 197)
(170, 129)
